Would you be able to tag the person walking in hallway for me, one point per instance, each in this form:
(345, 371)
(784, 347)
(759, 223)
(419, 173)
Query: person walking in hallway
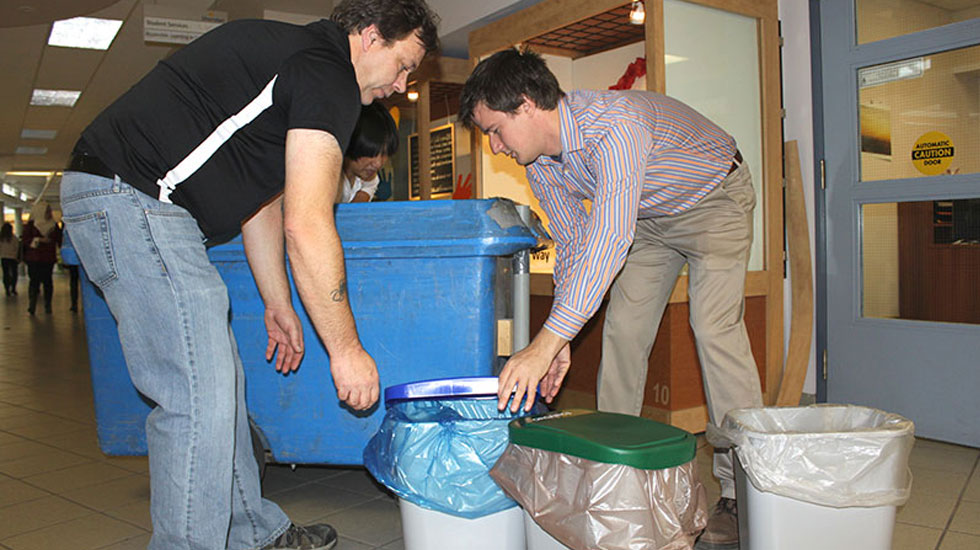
(10, 253)
(41, 240)
(667, 187)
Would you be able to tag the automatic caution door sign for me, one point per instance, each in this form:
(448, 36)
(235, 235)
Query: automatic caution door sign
(932, 153)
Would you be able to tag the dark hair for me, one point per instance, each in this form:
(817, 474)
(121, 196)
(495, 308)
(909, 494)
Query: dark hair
(395, 19)
(375, 133)
(7, 232)
(504, 79)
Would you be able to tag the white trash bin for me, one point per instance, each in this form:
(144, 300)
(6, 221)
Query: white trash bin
(538, 538)
(818, 477)
(428, 529)
(434, 449)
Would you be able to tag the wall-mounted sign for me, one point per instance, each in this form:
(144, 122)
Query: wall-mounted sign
(175, 25)
(932, 153)
(442, 144)
(890, 72)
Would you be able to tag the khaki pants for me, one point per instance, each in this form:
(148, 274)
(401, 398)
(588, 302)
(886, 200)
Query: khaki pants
(713, 238)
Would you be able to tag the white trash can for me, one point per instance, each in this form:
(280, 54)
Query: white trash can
(434, 449)
(428, 529)
(537, 538)
(818, 477)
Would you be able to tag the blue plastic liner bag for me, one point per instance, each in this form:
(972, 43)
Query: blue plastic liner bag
(437, 454)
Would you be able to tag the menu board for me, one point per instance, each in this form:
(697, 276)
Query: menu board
(442, 161)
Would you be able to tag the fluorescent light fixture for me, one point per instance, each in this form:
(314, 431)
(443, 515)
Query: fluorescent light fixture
(25, 150)
(84, 32)
(25, 197)
(28, 173)
(671, 58)
(29, 133)
(55, 98)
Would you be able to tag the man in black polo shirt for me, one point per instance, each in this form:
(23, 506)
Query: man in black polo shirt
(242, 130)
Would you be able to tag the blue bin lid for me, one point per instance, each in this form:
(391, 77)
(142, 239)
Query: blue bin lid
(443, 388)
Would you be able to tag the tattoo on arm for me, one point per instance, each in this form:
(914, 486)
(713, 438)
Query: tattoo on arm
(339, 294)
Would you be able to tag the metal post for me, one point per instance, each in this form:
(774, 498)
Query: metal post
(522, 290)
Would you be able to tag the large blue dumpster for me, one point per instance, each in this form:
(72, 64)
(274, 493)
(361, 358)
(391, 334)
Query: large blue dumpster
(425, 287)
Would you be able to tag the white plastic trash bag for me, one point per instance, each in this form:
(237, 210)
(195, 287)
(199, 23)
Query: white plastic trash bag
(833, 455)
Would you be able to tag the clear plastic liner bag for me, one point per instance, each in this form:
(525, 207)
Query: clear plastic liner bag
(589, 505)
(437, 454)
(832, 455)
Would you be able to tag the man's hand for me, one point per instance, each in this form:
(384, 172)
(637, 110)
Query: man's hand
(356, 378)
(552, 380)
(286, 333)
(546, 357)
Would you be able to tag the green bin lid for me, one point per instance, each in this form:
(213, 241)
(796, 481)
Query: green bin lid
(606, 437)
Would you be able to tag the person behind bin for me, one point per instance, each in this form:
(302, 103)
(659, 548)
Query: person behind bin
(375, 138)
(241, 131)
(41, 238)
(667, 187)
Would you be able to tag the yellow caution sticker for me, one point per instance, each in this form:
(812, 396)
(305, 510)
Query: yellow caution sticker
(932, 154)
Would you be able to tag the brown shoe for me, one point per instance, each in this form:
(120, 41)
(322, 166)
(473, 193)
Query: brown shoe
(722, 530)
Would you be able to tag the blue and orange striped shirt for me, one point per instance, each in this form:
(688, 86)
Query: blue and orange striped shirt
(634, 155)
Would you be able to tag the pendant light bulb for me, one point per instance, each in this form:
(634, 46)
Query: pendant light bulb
(637, 13)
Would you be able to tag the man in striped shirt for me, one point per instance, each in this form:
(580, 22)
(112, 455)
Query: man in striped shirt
(667, 187)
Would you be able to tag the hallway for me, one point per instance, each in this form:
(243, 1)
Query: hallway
(58, 491)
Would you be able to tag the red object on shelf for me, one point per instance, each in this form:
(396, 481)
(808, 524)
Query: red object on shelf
(634, 70)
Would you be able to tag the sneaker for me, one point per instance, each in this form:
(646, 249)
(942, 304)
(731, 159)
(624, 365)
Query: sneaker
(311, 537)
(722, 530)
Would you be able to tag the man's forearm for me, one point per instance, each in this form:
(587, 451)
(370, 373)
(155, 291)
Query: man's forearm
(317, 261)
(262, 236)
(313, 161)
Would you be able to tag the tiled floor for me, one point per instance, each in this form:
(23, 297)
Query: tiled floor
(58, 491)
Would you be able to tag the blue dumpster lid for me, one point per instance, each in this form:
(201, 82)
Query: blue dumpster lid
(473, 386)
(419, 229)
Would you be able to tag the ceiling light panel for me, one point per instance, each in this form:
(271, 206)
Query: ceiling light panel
(55, 98)
(25, 150)
(30, 133)
(84, 32)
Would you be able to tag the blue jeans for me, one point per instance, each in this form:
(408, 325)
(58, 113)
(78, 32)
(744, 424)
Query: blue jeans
(172, 309)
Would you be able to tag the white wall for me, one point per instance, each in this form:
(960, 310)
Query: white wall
(798, 125)
(716, 71)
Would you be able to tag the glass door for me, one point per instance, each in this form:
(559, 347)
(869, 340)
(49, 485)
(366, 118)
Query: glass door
(901, 265)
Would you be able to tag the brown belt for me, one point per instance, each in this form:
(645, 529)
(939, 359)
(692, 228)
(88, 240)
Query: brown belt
(736, 161)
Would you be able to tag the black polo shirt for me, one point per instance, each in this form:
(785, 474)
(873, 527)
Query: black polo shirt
(206, 128)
